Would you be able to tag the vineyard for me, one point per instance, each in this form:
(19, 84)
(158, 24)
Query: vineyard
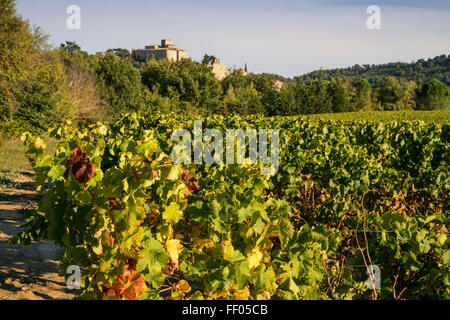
(437, 116)
(348, 197)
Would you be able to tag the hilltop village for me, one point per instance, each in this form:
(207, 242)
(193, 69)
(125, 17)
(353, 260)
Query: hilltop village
(168, 50)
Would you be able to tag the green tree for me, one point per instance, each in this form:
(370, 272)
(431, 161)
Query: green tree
(188, 82)
(45, 99)
(121, 84)
(207, 59)
(312, 97)
(33, 85)
(286, 101)
(434, 94)
(265, 85)
(340, 96)
(18, 51)
(363, 96)
(121, 53)
(396, 95)
(75, 58)
(247, 99)
(71, 47)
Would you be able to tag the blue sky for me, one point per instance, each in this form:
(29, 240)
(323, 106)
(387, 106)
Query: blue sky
(287, 37)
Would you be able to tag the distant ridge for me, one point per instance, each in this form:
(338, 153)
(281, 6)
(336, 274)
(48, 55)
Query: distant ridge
(419, 71)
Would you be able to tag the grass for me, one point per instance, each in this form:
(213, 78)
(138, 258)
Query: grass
(437, 116)
(12, 157)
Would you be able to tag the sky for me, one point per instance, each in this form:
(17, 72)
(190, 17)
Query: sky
(286, 37)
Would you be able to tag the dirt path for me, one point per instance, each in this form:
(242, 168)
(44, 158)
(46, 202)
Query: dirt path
(26, 272)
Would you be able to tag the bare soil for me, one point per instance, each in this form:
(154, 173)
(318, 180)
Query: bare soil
(26, 272)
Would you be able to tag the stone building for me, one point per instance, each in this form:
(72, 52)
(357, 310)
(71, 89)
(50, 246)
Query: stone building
(218, 69)
(167, 50)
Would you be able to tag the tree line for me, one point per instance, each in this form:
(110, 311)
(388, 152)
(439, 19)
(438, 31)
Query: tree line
(419, 71)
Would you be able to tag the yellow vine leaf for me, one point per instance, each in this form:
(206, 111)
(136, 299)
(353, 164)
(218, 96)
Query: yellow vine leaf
(174, 248)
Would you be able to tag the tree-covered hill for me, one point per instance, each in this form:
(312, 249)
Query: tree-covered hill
(419, 71)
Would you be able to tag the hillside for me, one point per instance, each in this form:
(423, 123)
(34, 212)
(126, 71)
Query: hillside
(418, 71)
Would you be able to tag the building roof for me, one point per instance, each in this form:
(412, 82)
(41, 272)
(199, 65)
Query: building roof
(177, 49)
(166, 44)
